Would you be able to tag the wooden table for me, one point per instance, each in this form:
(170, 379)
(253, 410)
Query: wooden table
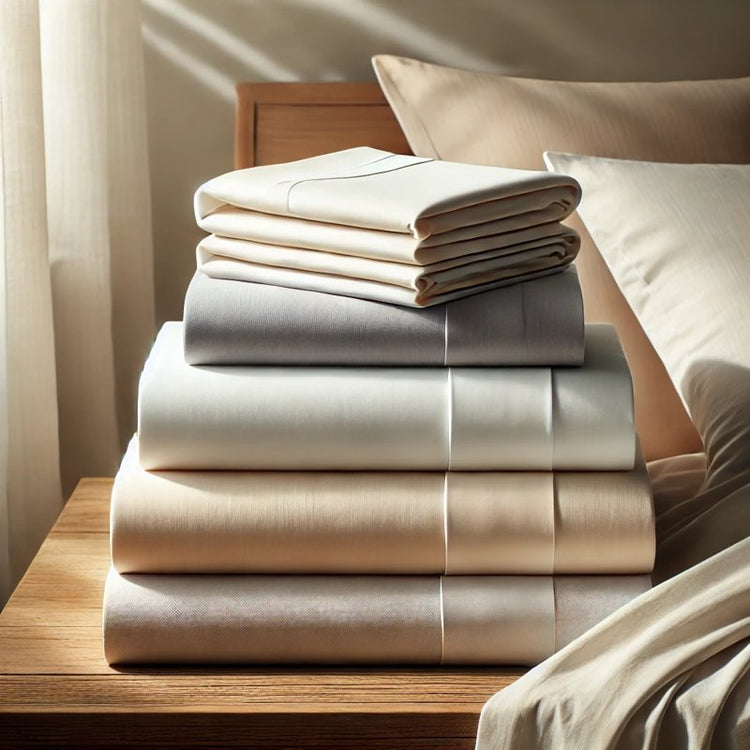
(56, 690)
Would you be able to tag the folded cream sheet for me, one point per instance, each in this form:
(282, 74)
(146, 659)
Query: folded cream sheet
(353, 619)
(371, 224)
(383, 281)
(458, 523)
(373, 189)
(381, 418)
(533, 323)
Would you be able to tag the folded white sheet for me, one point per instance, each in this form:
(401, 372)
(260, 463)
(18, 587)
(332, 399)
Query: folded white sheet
(387, 418)
(376, 225)
(353, 619)
(458, 523)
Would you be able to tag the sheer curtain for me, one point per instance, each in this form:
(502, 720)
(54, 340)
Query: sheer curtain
(76, 279)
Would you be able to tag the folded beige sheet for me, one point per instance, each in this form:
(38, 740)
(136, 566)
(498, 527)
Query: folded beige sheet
(353, 619)
(459, 523)
(387, 418)
(399, 229)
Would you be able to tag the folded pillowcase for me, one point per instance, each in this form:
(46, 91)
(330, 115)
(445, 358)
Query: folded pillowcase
(229, 322)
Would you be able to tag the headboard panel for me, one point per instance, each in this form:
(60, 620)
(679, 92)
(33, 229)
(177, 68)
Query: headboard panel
(279, 122)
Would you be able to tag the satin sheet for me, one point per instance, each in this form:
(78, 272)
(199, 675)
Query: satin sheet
(533, 323)
(395, 283)
(459, 523)
(373, 189)
(353, 619)
(462, 419)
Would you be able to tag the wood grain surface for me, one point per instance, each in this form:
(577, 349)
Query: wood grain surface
(279, 122)
(56, 689)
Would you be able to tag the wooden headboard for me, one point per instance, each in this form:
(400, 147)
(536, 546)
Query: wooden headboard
(279, 122)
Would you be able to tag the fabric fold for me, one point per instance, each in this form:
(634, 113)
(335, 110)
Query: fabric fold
(380, 418)
(539, 221)
(459, 523)
(347, 619)
(234, 323)
(384, 281)
(374, 189)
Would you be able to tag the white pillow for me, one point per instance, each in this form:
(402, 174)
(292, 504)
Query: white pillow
(676, 238)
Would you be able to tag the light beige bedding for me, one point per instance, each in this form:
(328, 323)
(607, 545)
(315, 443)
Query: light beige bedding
(392, 282)
(458, 523)
(401, 229)
(372, 189)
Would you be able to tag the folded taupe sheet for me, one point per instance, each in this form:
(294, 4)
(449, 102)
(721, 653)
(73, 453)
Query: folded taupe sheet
(387, 418)
(533, 323)
(458, 523)
(399, 229)
(353, 619)
(385, 281)
(373, 189)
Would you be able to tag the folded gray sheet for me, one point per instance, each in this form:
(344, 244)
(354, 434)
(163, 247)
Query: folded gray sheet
(229, 322)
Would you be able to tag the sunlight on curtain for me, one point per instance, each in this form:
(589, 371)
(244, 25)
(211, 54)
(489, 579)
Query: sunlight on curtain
(76, 288)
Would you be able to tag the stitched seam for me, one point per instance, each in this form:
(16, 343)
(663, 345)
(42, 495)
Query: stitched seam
(445, 336)
(450, 418)
(445, 524)
(294, 183)
(442, 623)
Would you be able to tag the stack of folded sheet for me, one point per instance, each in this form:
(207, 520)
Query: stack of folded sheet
(381, 434)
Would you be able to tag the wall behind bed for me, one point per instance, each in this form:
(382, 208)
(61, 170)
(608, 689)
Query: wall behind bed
(197, 49)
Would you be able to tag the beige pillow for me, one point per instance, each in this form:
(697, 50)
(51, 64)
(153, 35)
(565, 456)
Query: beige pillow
(491, 119)
(677, 240)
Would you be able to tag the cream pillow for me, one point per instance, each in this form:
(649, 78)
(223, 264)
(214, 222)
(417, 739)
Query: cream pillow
(491, 119)
(677, 240)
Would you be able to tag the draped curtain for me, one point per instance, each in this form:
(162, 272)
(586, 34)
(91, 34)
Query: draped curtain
(76, 278)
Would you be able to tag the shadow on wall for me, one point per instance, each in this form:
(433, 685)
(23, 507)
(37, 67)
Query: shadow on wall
(196, 51)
